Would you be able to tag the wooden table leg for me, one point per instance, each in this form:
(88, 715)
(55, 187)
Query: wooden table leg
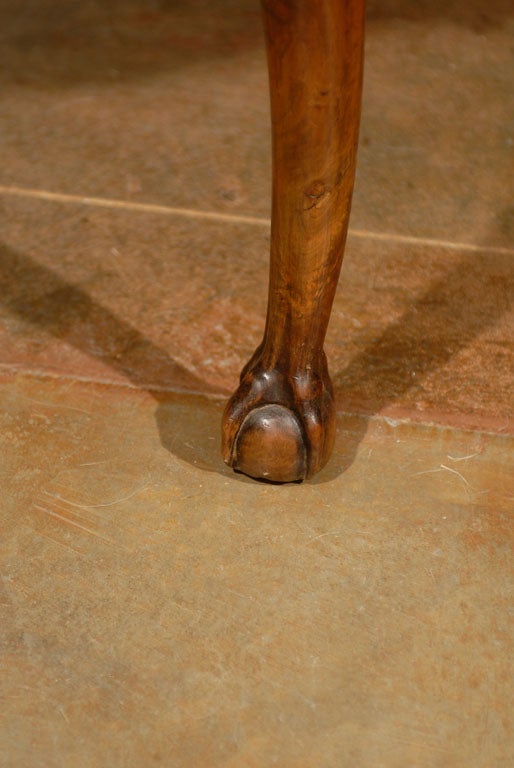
(280, 423)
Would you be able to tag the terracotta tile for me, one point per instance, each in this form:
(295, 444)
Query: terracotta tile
(168, 303)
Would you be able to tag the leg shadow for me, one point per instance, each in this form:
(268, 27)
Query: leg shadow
(38, 296)
(455, 309)
(468, 299)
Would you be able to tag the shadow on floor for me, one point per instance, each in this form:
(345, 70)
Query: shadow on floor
(439, 323)
(58, 43)
(455, 309)
(477, 15)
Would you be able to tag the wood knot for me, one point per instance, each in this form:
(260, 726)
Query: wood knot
(314, 195)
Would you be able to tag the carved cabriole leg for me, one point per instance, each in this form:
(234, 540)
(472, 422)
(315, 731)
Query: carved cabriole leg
(280, 423)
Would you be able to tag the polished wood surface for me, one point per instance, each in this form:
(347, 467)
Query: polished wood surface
(279, 424)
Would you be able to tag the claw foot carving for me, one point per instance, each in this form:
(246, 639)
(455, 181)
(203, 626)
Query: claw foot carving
(279, 427)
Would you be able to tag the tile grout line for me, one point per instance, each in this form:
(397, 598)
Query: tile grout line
(10, 369)
(391, 420)
(231, 218)
(128, 205)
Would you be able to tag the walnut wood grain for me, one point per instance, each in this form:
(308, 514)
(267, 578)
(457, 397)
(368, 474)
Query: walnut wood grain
(280, 422)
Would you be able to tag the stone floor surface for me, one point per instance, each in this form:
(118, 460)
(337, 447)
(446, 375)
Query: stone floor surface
(155, 607)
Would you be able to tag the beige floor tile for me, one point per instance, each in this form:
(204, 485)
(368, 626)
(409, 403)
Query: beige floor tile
(158, 608)
(168, 103)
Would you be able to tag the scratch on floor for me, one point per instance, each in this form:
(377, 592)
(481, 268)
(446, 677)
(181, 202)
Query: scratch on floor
(441, 468)
(445, 468)
(93, 514)
(97, 506)
(454, 471)
(58, 405)
(462, 458)
(63, 544)
(75, 524)
(64, 715)
(326, 533)
(426, 472)
(422, 745)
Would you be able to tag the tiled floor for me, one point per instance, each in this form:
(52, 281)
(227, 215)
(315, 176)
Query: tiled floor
(156, 608)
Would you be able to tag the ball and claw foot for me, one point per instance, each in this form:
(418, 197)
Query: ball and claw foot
(279, 427)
